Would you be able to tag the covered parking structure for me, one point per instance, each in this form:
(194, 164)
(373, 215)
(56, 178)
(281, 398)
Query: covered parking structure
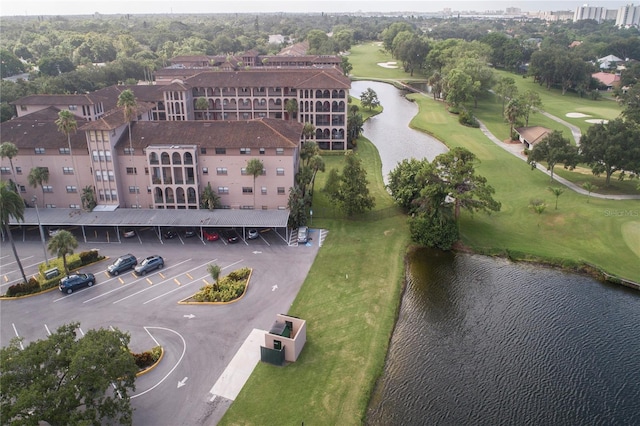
(122, 219)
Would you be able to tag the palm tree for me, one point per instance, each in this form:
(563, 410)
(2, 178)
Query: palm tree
(255, 167)
(67, 124)
(209, 199)
(317, 165)
(88, 198)
(512, 112)
(214, 271)
(10, 150)
(127, 101)
(202, 103)
(308, 130)
(557, 192)
(291, 106)
(38, 176)
(61, 245)
(11, 206)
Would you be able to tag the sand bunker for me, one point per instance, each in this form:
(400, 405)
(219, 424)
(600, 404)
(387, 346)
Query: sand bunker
(597, 121)
(576, 115)
(388, 64)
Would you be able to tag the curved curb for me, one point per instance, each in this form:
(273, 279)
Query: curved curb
(246, 288)
(153, 366)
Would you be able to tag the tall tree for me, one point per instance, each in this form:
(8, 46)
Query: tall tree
(437, 83)
(203, 104)
(353, 195)
(38, 176)
(11, 206)
(61, 245)
(10, 150)
(308, 130)
(64, 380)
(255, 168)
(291, 106)
(403, 185)
(611, 147)
(631, 103)
(554, 149)
(67, 124)
(512, 113)
(506, 88)
(453, 174)
(369, 99)
(530, 102)
(127, 101)
(209, 199)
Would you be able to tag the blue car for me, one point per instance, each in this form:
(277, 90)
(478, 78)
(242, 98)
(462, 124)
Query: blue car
(72, 282)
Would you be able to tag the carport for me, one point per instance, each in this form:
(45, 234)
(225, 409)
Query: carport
(135, 218)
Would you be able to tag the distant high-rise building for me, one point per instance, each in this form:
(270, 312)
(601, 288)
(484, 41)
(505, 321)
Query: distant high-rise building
(598, 14)
(628, 16)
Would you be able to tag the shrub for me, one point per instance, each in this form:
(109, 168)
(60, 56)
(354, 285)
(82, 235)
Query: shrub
(143, 360)
(467, 119)
(227, 289)
(87, 257)
(31, 286)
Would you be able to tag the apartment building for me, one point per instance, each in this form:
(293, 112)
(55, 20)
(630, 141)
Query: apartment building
(165, 164)
(321, 97)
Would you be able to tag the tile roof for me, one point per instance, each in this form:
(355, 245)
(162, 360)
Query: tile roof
(259, 133)
(606, 78)
(308, 78)
(115, 118)
(533, 134)
(39, 129)
(54, 100)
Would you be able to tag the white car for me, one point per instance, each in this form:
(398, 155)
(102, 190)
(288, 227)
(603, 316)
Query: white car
(129, 233)
(53, 231)
(252, 234)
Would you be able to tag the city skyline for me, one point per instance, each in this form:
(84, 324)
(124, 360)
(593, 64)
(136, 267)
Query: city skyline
(66, 7)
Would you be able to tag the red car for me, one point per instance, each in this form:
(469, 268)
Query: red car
(210, 235)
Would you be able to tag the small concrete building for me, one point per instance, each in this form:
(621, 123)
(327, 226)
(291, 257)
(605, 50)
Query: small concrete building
(284, 341)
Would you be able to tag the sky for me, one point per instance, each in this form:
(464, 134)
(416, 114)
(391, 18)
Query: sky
(88, 7)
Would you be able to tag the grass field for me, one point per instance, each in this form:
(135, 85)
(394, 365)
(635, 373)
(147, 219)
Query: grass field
(351, 295)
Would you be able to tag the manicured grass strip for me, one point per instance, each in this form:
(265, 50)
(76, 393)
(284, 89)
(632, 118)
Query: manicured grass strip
(349, 301)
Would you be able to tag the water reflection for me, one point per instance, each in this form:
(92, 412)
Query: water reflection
(390, 131)
(483, 341)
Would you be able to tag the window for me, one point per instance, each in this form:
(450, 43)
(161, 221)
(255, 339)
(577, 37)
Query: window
(73, 107)
(114, 195)
(94, 153)
(19, 170)
(64, 151)
(101, 155)
(67, 170)
(261, 151)
(146, 170)
(98, 176)
(23, 107)
(243, 171)
(111, 176)
(23, 188)
(280, 171)
(5, 170)
(279, 151)
(221, 170)
(129, 151)
(101, 194)
(148, 190)
(74, 206)
(47, 188)
(50, 206)
(72, 189)
(39, 151)
(245, 151)
(281, 190)
(223, 190)
(221, 151)
(263, 191)
(247, 190)
(132, 171)
(134, 190)
(108, 155)
(205, 170)
(203, 150)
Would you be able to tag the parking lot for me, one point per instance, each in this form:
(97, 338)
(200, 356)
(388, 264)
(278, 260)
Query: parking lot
(199, 340)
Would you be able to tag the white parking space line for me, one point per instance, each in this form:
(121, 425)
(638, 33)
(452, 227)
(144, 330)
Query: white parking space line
(48, 331)
(179, 288)
(161, 282)
(122, 286)
(15, 330)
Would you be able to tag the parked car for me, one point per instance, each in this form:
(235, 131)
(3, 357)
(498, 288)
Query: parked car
(122, 264)
(170, 234)
(303, 235)
(231, 237)
(149, 264)
(72, 282)
(129, 233)
(252, 234)
(210, 235)
(53, 231)
(189, 232)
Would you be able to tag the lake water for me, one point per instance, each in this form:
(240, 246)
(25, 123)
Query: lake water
(482, 341)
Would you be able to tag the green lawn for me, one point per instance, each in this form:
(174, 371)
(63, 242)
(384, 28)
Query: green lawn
(351, 295)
